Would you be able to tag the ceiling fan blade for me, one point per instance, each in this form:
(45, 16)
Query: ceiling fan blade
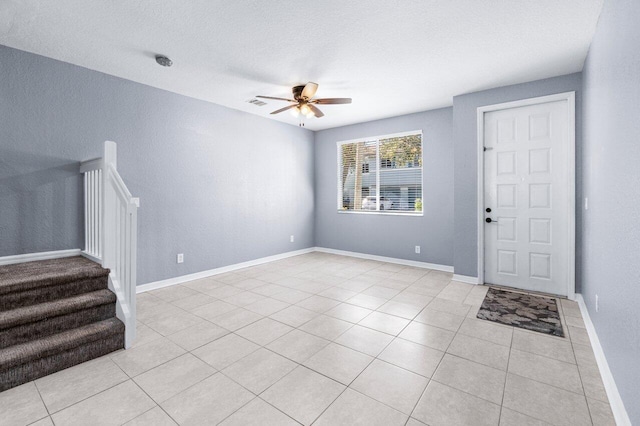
(309, 90)
(277, 99)
(278, 111)
(327, 101)
(316, 111)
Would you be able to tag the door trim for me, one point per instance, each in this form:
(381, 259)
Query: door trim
(570, 97)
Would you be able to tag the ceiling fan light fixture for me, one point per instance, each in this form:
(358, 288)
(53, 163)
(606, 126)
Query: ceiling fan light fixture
(295, 111)
(304, 109)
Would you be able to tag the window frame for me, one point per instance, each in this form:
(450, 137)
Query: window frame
(340, 184)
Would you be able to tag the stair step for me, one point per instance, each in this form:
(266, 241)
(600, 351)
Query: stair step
(36, 321)
(30, 283)
(29, 361)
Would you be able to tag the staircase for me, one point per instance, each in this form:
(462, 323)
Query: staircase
(54, 314)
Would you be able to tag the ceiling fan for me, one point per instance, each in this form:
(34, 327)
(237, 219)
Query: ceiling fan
(303, 102)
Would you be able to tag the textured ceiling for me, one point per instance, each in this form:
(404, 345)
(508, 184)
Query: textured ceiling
(391, 56)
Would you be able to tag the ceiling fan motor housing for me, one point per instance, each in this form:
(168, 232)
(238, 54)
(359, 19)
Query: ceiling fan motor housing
(297, 92)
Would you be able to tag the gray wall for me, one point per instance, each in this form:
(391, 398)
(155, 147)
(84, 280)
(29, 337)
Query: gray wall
(611, 174)
(224, 186)
(219, 185)
(465, 239)
(393, 236)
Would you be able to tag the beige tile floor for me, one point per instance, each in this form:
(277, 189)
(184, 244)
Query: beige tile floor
(325, 340)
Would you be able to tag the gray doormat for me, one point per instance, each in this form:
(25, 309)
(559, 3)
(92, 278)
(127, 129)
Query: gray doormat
(522, 310)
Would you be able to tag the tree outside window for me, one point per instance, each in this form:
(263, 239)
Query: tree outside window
(381, 174)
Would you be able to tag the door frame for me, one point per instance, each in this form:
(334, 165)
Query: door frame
(570, 97)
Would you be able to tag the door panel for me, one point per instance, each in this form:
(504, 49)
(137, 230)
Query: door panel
(526, 187)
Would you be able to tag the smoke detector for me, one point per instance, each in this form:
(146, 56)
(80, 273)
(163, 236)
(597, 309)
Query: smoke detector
(164, 61)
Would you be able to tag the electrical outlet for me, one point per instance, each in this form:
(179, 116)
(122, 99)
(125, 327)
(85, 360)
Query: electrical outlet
(180, 258)
(291, 239)
(597, 307)
(586, 203)
(417, 249)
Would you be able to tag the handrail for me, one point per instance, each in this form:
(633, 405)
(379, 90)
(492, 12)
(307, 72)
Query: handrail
(111, 231)
(123, 191)
(89, 165)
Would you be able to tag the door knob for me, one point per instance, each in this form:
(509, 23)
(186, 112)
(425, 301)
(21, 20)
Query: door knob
(488, 210)
(488, 220)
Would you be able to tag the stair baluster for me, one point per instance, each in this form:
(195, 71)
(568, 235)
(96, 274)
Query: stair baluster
(111, 231)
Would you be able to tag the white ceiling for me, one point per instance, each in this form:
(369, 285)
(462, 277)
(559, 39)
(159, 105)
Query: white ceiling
(392, 57)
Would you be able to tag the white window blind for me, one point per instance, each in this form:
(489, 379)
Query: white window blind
(381, 174)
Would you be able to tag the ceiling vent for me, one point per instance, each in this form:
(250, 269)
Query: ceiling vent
(257, 102)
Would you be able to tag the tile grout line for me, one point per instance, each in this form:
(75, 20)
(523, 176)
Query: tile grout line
(428, 383)
(545, 357)
(506, 377)
(157, 404)
(584, 390)
(41, 398)
(90, 396)
(538, 381)
(249, 402)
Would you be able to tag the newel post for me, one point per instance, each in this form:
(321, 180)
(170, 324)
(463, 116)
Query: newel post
(109, 219)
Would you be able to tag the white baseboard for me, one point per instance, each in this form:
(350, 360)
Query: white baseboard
(466, 279)
(617, 406)
(415, 263)
(45, 255)
(208, 273)
(92, 258)
(229, 268)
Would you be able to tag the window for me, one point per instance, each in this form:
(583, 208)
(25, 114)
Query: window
(381, 174)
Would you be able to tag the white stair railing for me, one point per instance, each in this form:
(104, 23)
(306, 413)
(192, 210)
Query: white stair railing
(111, 220)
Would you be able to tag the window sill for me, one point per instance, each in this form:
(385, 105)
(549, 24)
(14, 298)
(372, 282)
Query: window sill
(382, 213)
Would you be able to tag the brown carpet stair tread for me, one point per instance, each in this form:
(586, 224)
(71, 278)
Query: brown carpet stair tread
(43, 311)
(42, 273)
(54, 314)
(62, 342)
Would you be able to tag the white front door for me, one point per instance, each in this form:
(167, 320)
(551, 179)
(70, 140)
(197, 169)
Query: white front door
(527, 197)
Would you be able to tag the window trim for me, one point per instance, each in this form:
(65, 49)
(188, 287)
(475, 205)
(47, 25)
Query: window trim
(340, 184)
